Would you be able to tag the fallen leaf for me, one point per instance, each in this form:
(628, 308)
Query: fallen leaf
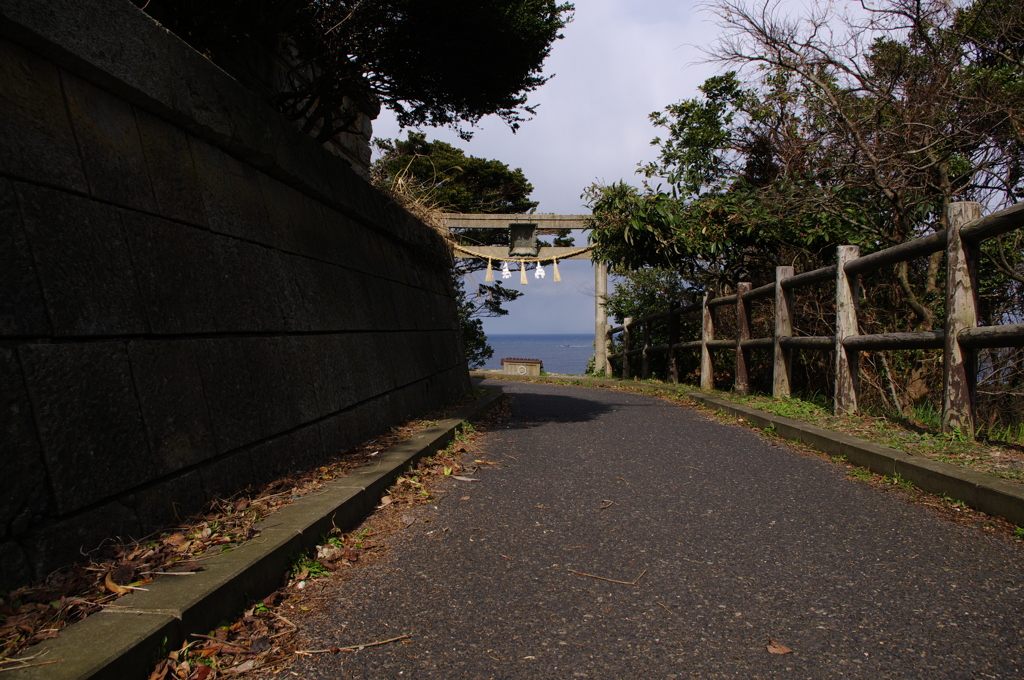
(465, 479)
(176, 540)
(776, 648)
(243, 667)
(259, 645)
(113, 587)
(330, 552)
(464, 498)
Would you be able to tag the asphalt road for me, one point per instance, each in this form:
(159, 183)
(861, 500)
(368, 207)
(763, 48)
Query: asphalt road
(731, 540)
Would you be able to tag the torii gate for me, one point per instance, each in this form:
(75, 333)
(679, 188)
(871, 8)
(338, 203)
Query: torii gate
(523, 230)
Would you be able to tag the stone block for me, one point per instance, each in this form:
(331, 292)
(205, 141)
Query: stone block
(335, 373)
(370, 362)
(64, 541)
(372, 417)
(168, 501)
(282, 382)
(405, 354)
(36, 140)
(385, 308)
(20, 455)
(345, 242)
(14, 569)
(296, 220)
(297, 451)
(356, 302)
(191, 281)
(270, 459)
(172, 172)
(88, 420)
(314, 286)
(226, 476)
(109, 140)
(231, 193)
(269, 275)
(334, 298)
(339, 433)
(22, 312)
(411, 400)
(455, 382)
(170, 391)
(230, 397)
(301, 161)
(83, 263)
(379, 254)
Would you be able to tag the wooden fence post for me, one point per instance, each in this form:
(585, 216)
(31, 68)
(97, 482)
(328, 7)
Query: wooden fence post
(783, 329)
(626, 333)
(645, 371)
(742, 382)
(959, 364)
(673, 340)
(707, 369)
(847, 362)
(608, 350)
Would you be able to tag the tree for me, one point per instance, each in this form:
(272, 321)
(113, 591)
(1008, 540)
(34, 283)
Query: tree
(451, 180)
(836, 130)
(433, 62)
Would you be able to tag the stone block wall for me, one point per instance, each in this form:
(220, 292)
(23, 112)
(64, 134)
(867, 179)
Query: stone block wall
(194, 296)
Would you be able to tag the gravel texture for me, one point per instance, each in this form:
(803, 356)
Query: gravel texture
(736, 541)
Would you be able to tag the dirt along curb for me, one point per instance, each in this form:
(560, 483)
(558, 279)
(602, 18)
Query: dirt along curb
(982, 492)
(125, 640)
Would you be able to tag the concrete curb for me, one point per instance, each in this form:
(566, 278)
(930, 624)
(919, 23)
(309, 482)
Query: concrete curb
(127, 640)
(983, 492)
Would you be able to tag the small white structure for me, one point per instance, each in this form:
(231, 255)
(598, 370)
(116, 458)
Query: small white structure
(514, 366)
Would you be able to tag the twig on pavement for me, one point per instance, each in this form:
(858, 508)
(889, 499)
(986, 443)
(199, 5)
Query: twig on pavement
(351, 648)
(611, 580)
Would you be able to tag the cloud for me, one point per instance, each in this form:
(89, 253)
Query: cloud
(619, 61)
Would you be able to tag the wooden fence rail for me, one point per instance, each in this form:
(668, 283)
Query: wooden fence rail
(960, 338)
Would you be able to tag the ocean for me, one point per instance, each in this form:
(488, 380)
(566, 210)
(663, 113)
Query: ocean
(560, 353)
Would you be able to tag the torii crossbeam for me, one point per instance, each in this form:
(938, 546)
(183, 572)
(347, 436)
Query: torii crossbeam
(545, 222)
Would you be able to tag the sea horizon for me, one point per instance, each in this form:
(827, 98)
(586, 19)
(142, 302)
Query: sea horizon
(559, 352)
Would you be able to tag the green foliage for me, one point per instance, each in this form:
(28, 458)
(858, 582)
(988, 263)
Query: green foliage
(453, 181)
(309, 566)
(474, 340)
(647, 291)
(433, 62)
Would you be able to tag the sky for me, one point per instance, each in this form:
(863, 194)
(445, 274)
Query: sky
(620, 60)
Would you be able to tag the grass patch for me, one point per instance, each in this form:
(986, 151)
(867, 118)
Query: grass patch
(918, 434)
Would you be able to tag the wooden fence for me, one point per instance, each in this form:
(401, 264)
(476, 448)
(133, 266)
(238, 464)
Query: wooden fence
(960, 339)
